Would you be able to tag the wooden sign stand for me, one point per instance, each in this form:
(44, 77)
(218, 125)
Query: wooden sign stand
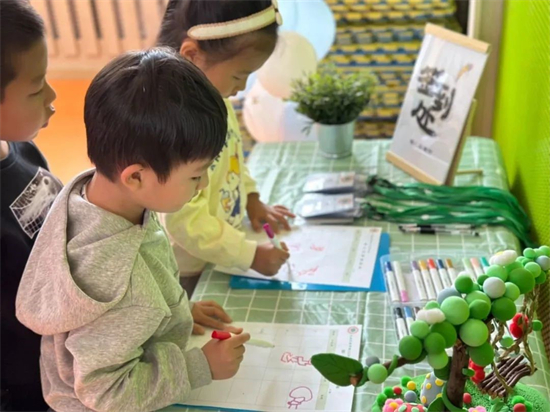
(415, 169)
(453, 170)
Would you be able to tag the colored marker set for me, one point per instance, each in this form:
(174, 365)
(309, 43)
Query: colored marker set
(404, 317)
(413, 280)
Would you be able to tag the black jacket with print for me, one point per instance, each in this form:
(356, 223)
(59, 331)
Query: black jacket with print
(28, 190)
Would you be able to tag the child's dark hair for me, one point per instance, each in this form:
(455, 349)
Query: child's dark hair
(153, 108)
(181, 15)
(20, 28)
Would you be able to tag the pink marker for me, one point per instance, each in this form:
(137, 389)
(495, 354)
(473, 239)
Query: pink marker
(271, 235)
(477, 267)
(400, 282)
(275, 242)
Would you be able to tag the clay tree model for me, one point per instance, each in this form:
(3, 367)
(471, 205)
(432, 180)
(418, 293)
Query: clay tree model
(480, 321)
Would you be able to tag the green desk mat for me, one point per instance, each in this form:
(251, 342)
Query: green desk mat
(280, 170)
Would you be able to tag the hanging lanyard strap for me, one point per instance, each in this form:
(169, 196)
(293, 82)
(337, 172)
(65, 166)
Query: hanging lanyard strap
(428, 204)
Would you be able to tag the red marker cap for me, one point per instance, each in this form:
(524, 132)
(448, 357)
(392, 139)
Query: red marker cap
(431, 264)
(220, 335)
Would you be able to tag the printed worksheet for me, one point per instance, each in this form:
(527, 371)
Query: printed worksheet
(278, 376)
(325, 255)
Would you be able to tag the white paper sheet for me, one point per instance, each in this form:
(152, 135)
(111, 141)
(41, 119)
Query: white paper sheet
(325, 255)
(282, 378)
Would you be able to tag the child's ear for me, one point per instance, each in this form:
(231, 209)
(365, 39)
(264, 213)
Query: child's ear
(191, 51)
(132, 177)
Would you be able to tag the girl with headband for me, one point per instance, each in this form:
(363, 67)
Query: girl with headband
(228, 40)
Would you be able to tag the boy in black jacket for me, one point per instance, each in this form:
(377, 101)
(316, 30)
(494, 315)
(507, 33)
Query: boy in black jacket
(27, 190)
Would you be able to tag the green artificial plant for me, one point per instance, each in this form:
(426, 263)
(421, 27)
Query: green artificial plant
(332, 97)
(472, 318)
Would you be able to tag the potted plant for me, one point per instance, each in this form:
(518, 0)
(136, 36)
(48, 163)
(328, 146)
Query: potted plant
(333, 100)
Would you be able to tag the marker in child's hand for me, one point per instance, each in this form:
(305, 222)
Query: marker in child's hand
(271, 235)
(254, 342)
(274, 240)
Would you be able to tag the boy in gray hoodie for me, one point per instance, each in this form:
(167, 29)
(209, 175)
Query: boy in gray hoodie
(101, 284)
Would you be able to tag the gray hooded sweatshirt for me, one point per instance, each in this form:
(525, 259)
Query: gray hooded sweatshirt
(104, 293)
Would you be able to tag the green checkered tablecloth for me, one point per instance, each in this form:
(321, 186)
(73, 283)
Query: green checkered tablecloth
(280, 170)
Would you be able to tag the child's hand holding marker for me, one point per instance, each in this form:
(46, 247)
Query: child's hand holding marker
(271, 256)
(225, 354)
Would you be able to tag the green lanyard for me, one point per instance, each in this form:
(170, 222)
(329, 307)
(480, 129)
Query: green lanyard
(428, 204)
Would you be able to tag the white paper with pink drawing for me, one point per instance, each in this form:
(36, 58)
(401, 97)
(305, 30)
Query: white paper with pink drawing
(281, 378)
(325, 255)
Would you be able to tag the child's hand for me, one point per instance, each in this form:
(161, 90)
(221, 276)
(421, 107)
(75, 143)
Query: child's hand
(225, 356)
(212, 315)
(260, 213)
(268, 259)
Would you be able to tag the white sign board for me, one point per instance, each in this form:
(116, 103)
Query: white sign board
(430, 130)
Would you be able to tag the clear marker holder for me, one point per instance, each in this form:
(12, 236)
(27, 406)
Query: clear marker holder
(414, 301)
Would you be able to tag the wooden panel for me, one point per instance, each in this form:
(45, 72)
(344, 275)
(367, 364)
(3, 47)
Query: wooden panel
(42, 9)
(458, 154)
(111, 44)
(411, 169)
(68, 47)
(89, 42)
(131, 39)
(457, 38)
(83, 35)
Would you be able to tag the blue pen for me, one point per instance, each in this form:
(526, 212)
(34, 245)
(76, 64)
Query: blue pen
(409, 318)
(435, 275)
(400, 323)
(447, 282)
(392, 285)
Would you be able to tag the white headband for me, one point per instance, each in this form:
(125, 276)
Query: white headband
(233, 28)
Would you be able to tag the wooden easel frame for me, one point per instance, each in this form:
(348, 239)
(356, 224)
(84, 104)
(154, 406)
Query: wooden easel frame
(460, 147)
(413, 170)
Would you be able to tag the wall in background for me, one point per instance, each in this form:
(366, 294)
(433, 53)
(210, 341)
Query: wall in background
(522, 119)
(485, 23)
(522, 116)
(63, 142)
(83, 35)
